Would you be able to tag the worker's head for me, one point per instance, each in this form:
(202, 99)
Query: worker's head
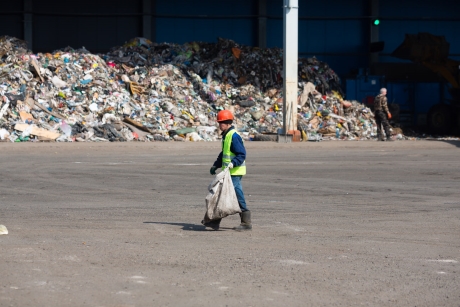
(383, 91)
(225, 125)
(225, 119)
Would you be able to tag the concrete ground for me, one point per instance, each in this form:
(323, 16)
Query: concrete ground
(335, 224)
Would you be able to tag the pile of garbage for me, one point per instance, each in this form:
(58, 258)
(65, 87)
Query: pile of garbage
(159, 92)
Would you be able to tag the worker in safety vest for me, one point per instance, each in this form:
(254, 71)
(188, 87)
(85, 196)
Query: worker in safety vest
(233, 156)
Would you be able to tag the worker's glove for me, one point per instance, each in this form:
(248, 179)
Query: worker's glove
(389, 115)
(230, 165)
(213, 170)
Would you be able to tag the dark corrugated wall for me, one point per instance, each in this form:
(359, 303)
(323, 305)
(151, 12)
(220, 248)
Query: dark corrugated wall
(234, 19)
(11, 18)
(57, 24)
(335, 31)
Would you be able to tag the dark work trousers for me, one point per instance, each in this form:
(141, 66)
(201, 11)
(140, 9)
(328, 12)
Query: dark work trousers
(382, 119)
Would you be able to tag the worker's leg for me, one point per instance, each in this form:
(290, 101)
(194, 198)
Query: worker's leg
(239, 192)
(245, 214)
(386, 126)
(378, 122)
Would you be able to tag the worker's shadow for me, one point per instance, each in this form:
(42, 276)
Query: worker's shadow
(188, 227)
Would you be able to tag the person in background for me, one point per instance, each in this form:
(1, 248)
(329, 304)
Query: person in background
(382, 115)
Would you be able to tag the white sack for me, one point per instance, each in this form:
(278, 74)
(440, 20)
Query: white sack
(221, 200)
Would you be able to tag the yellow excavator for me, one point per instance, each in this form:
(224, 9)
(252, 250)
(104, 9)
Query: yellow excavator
(432, 52)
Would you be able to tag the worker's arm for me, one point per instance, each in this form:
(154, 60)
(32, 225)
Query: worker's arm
(237, 147)
(385, 105)
(218, 162)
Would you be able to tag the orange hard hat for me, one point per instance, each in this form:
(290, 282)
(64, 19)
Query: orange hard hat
(224, 115)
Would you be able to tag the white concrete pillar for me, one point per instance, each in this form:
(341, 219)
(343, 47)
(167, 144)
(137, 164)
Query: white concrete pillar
(290, 61)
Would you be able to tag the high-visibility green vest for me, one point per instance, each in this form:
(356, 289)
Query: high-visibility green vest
(227, 156)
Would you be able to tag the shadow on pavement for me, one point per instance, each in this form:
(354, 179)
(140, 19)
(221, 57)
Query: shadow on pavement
(189, 227)
(454, 143)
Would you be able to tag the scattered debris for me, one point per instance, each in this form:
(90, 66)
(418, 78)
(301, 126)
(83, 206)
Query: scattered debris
(3, 230)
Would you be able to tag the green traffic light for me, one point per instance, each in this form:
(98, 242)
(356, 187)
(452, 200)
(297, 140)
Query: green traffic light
(376, 22)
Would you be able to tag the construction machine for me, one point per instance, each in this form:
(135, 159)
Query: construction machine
(432, 52)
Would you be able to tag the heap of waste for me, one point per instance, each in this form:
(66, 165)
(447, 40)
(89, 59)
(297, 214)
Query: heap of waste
(147, 91)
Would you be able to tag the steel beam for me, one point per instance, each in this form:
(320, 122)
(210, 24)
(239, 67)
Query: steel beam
(147, 19)
(290, 64)
(28, 34)
(374, 30)
(262, 28)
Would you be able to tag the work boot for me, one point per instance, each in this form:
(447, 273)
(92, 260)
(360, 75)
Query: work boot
(380, 137)
(245, 221)
(390, 139)
(212, 224)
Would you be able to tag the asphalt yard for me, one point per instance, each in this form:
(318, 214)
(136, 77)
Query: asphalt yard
(334, 224)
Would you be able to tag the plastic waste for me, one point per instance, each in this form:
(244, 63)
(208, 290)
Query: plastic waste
(194, 137)
(26, 132)
(4, 134)
(3, 230)
(58, 82)
(66, 128)
(185, 131)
